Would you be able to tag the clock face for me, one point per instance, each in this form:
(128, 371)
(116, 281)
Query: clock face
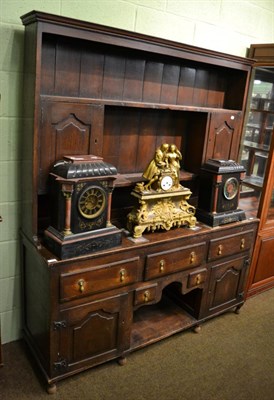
(92, 202)
(231, 188)
(166, 182)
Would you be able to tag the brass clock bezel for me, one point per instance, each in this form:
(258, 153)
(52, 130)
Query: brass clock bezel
(92, 211)
(231, 188)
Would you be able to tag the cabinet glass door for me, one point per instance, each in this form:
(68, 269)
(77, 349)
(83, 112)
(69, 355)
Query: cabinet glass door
(257, 135)
(270, 212)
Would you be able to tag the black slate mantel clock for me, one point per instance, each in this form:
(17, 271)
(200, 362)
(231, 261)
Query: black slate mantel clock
(81, 193)
(219, 192)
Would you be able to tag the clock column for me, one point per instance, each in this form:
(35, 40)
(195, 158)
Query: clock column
(110, 191)
(67, 193)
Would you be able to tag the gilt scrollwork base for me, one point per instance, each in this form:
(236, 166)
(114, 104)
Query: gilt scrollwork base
(157, 211)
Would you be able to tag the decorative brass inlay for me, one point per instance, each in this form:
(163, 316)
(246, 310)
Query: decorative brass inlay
(220, 250)
(242, 246)
(122, 275)
(79, 187)
(162, 200)
(146, 295)
(81, 284)
(192, 257)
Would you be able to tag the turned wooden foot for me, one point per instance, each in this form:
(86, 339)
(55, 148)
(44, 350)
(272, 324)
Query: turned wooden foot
(122, 361)
(197, 329)
(52, 389)
(237, 309)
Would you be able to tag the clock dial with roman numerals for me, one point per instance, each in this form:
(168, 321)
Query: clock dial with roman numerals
(92, 202)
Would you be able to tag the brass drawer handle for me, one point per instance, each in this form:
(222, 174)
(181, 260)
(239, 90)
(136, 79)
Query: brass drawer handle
(242, 246)
(220, 250)
(192, 257)
(122, 275)
(81, 284)
(146, 295)
(198, 279)
(162, 265)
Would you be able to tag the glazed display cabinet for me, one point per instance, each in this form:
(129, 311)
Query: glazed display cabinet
(111, 96)
(262, 271)
(257, 157)
(258, 129)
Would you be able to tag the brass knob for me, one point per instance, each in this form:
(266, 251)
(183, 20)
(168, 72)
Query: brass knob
(122, 275)
(162, 265)
(220, 250)
(242, 246)
(81, 284)
(146, 295)
(198, 279)
(192, 257)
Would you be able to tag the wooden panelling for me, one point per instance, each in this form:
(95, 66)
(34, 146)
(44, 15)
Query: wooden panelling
(67, 67)
(265, 268)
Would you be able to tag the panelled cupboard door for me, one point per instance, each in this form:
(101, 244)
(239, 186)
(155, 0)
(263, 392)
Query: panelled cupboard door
(224, 134)
(91, 333)
(68, 128)
(264, 269)
(226, 284)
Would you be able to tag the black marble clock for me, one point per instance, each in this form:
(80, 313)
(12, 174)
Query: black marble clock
(219, 192)
(81, 193)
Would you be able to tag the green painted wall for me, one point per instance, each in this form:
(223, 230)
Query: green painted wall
(225, 25)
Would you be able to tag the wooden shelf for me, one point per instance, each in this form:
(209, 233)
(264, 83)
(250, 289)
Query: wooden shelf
(260, 110)
(155, 322)
(135, 104)
(125, 180)
(254, 182)
(256, 146)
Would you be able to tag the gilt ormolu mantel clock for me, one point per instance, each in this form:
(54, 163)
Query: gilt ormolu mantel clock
(81, 188)
(219, 192)
(162, 200)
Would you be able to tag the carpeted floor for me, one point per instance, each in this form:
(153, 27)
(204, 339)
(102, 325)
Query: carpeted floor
(232, 358)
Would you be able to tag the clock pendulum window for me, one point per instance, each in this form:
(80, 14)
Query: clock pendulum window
(161, 201)
(81, 193)
(219, 192)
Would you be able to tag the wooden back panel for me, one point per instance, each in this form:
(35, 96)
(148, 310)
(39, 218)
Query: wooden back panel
(71, 67)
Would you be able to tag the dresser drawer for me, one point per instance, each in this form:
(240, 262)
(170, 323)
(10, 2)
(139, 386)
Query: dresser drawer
(230, 245)
(196, 278)
(166, 262)
(145, 294)
(103, 278)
